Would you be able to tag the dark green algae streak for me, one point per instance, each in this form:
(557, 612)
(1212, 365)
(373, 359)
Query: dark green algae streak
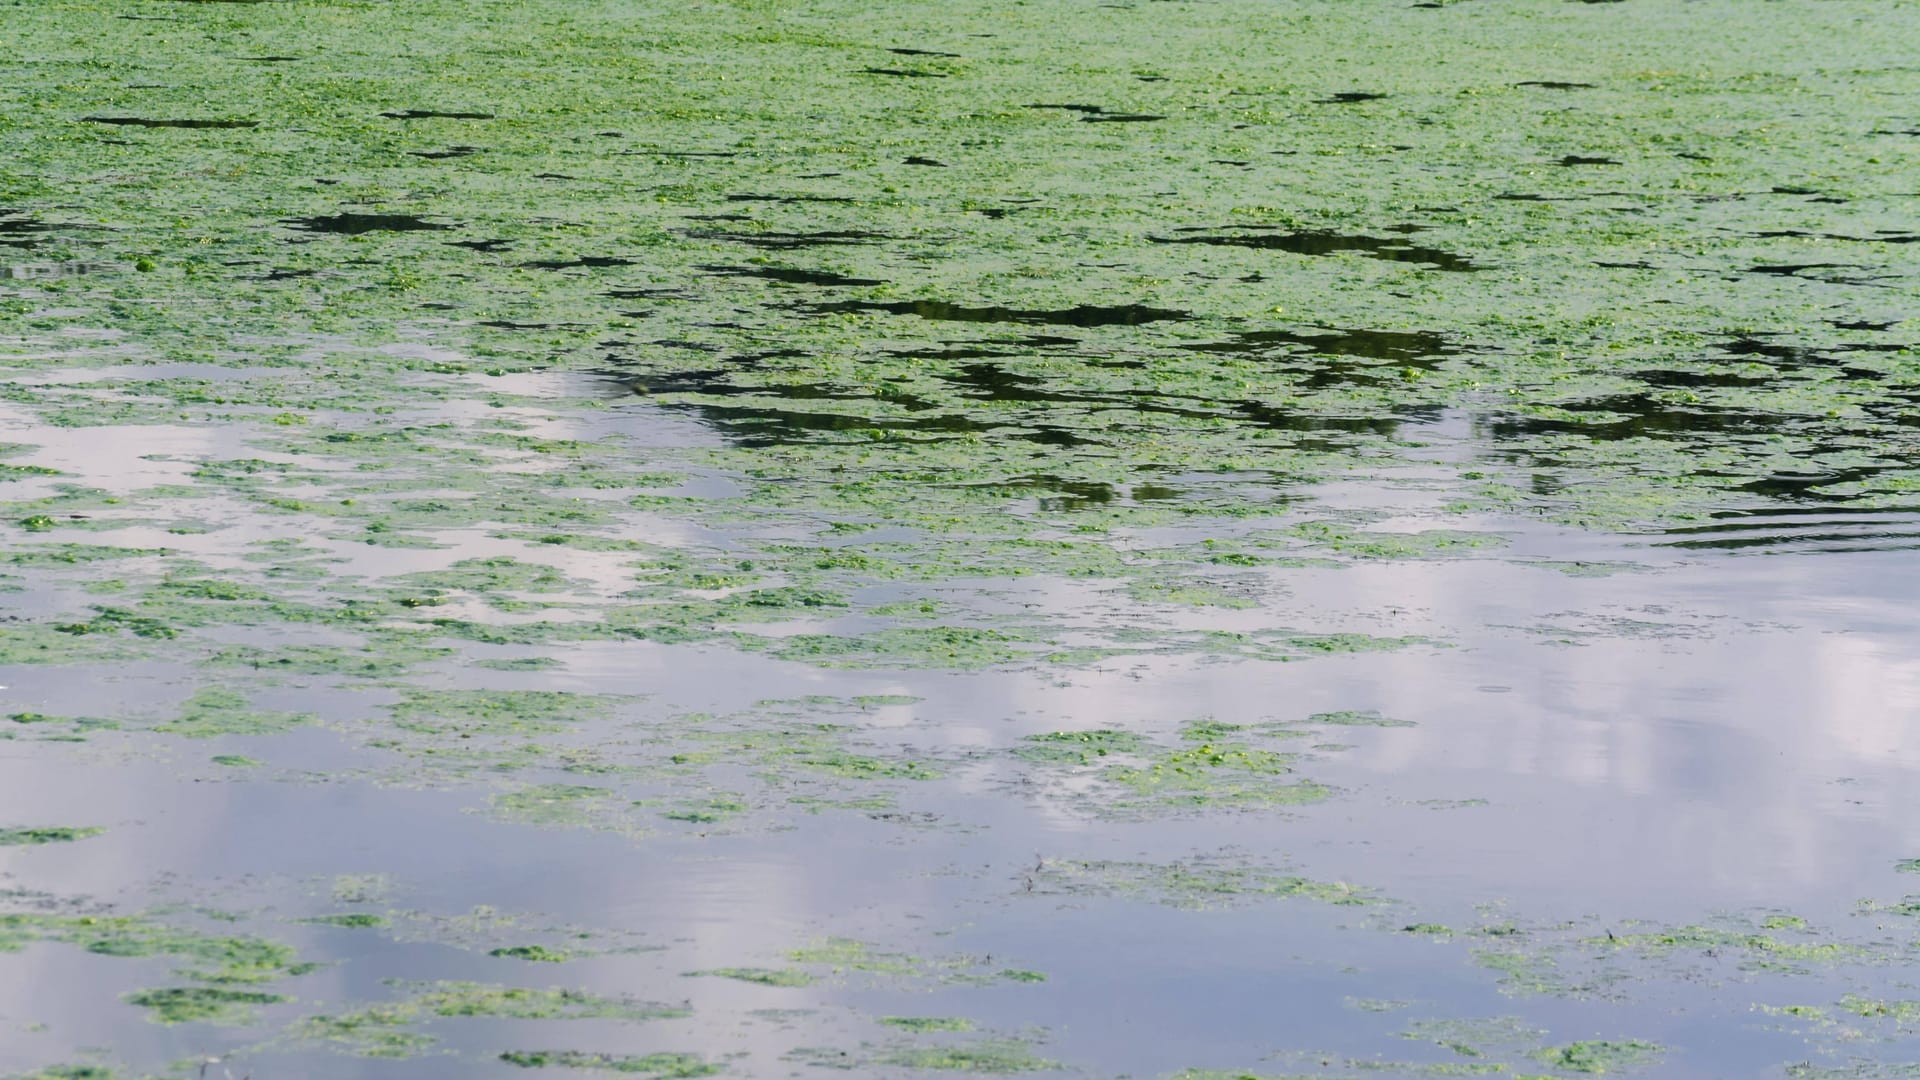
(950, 302)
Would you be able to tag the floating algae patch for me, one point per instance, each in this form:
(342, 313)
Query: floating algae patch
(987, 1057)
(457, 999)
(652, 1066)
(392, 1029)
(839, 959)
(215, 712)
(927, 1023)
(203, 1005)
(1198, 883)
(790, 978)
(722, 775)
(1119, 774)
(535, 953)
(220, 960)
(560, 804)
(1599, 1056)
(1357, 718)
(977, 1056)
(351, 920)
(1783, 945)
(1370, 544)
(469, 713)
(33, 837)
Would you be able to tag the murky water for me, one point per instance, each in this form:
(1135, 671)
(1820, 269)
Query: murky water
(1165, 540)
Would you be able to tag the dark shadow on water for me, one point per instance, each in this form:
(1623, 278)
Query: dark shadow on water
(661, 292)
(1054, 493)
(55, 270)
(991, 382)
(1096, 114)
(1396, 350)
(1320, 242)
(1061, 415)
(903, 73)
(141, 121)
(19, 230)
(447, 154)
(1348, 97)
(790, 241)
(1554, 84)
(1638, 416)
(1794, 529)
(823, 278)
(790, 198)
(1577, 159)
(1081, 315)
(435, 114)
(1883, 236)
(356, 224)
(590, 262)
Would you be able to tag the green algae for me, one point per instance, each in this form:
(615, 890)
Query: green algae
(220, 960)
(790, 978)
(991, 458)
(535, 953)
(1194, 884)
(998, 1057)
(557, 804)
(359, 888)
(203, 1004)
(842, 957)
(356, 920)
(1597, 1056)
(470, 713)
(1216, 768)
(657, 1066)
(1757, 949)
(1357, 718)
(706, 812)
(390, 1029)
(1078, 747)
(984, 1056)
(927, 1023)
(1904, 1013)
(1365, 544)
(33, 837)
(215, 712)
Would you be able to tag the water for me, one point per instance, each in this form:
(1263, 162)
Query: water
(1154, 616)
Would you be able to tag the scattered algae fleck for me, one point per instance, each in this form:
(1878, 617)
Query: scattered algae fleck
(45, 835)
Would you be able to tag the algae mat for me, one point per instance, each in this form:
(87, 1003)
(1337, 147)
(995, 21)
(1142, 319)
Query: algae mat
(762, 539)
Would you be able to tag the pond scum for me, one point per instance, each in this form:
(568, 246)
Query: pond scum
(619, 433)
